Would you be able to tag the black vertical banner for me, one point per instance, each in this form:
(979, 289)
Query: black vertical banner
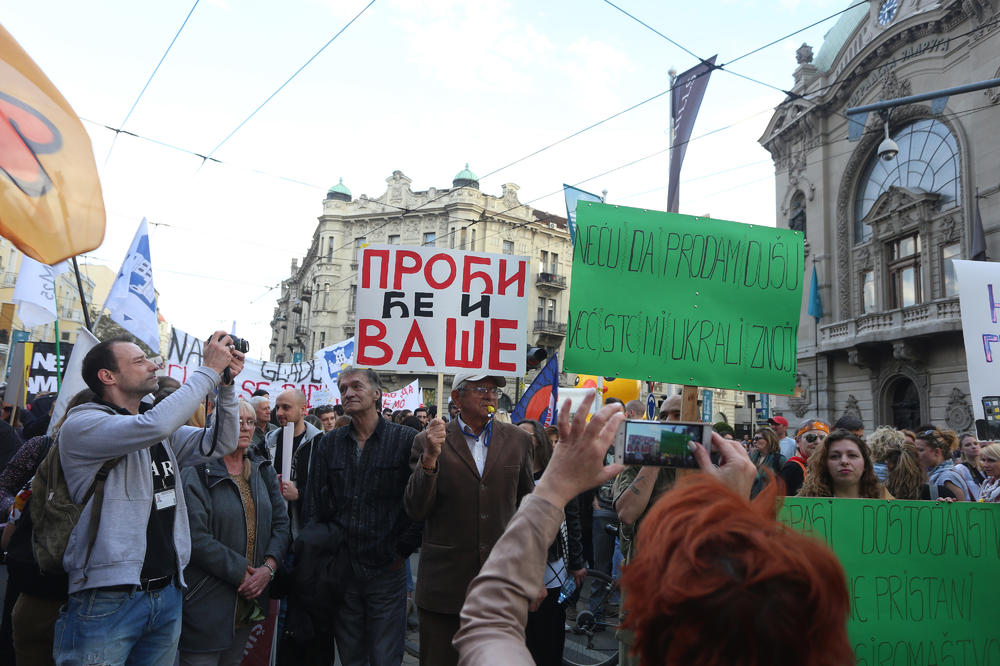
(685, 100)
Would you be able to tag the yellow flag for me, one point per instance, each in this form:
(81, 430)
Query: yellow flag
(51, 206)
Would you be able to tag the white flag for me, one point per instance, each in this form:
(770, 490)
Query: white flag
(35, 291)
(72, 382)
(132, 300)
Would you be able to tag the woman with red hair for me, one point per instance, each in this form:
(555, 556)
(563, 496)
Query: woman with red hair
(707, 560)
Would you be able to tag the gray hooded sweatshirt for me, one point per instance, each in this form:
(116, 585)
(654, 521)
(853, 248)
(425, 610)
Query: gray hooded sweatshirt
(93, 434)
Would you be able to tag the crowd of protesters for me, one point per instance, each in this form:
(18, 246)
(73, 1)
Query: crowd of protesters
(199, 528)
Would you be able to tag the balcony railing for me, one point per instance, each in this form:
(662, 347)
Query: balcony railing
(301, 332)
(550, 327)
(550, 280)
(9, 278)
(942, 315)
(307, 294)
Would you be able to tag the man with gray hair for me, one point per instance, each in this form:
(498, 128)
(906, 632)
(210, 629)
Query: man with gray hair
(468, 478)
(358, 478)
(262, 409)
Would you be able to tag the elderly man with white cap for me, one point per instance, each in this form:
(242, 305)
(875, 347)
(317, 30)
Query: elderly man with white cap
(468, 478)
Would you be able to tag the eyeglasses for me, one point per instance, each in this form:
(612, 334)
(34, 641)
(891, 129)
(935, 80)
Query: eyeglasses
(812, 437)
(756, 437)
(248, 423)
(483, 390)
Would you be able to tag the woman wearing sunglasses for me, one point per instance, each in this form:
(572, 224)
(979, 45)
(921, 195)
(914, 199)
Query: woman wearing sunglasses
(765, 453)
(808, 436)
(842, 467)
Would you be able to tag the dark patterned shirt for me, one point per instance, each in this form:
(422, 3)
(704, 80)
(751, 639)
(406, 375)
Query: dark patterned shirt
(361, 490)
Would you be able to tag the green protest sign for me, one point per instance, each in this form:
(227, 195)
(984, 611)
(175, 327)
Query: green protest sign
(674, 298)
(923, 577)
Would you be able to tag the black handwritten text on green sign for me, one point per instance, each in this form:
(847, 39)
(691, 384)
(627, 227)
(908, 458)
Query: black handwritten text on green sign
(673, 298)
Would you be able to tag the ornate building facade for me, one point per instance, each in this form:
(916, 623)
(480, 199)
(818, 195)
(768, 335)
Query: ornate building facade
(316, 307)
(882, 233)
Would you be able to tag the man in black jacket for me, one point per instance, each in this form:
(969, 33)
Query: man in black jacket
(358, 478)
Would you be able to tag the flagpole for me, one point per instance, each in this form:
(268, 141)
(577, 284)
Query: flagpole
(83, 299)
(670, 122)
(58, 359)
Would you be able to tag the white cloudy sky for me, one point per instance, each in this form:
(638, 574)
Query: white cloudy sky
(422, 86)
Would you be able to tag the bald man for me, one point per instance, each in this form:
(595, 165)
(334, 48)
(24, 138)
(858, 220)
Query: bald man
(635, 409)
(290, 407)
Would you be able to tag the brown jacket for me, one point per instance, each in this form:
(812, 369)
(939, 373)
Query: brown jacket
(464, 514)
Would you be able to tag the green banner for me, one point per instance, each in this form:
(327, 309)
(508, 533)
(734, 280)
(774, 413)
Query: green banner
(674, 298)
(923, 577)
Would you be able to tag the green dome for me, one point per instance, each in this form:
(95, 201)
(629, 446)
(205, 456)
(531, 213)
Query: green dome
(339, 191)
(466, 178)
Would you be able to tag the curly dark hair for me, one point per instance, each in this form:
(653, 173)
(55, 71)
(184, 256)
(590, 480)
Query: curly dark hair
(818, 481)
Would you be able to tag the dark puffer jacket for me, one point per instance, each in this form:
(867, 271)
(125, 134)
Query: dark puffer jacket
(219, 544)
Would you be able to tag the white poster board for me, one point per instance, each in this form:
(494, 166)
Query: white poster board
(425, 309)
(979, 297)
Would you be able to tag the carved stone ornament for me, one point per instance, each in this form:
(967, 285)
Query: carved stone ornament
(852, 408)
(857, 358)
(893, 88)
(804, 54)
(949, 230)
(801, 400)
(993, 93)
(958, 414)
(864, 258)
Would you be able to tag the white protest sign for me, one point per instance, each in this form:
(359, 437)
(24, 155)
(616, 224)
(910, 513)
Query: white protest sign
(425, 309)
(184, 356)
(407, 397)
(979, 297)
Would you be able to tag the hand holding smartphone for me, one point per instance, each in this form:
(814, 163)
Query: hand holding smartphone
(662, 443)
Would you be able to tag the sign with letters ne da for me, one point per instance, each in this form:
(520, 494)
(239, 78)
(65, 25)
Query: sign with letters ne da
(673, 298)
(979, 298)
(922, 577)
(425, 309)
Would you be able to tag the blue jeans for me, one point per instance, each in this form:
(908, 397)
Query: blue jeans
(109, 627)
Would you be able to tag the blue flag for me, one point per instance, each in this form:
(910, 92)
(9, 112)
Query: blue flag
(132, 299)
(815, 302)
(539, 401)
(574, 194)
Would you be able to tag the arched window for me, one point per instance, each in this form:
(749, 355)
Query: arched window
(797, 213)
(927, 162)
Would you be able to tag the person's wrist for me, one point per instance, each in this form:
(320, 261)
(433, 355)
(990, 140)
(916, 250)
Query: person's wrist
(270, 568)
(555, 493)
(429, 464)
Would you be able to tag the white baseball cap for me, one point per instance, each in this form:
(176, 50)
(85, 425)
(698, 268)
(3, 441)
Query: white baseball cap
(475, 377)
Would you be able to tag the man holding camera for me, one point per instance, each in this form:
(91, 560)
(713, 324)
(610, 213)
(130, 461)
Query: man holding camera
(125, 590)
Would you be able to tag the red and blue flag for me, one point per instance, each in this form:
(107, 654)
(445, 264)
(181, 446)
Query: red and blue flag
(539, 402)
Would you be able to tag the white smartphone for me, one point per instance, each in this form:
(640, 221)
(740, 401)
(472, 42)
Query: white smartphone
(662, 443)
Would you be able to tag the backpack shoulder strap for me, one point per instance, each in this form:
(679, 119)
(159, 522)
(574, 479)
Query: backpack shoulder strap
(96, 491)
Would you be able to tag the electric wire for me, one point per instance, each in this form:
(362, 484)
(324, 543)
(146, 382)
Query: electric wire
(150, 80)
(289, 80)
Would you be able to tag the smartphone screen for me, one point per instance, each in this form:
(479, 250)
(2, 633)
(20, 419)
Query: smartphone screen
(661, 443)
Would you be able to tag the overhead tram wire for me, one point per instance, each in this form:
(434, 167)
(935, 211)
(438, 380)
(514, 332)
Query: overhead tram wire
(792, 34)
(150, 80)
(289, 80)
(406, 211)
